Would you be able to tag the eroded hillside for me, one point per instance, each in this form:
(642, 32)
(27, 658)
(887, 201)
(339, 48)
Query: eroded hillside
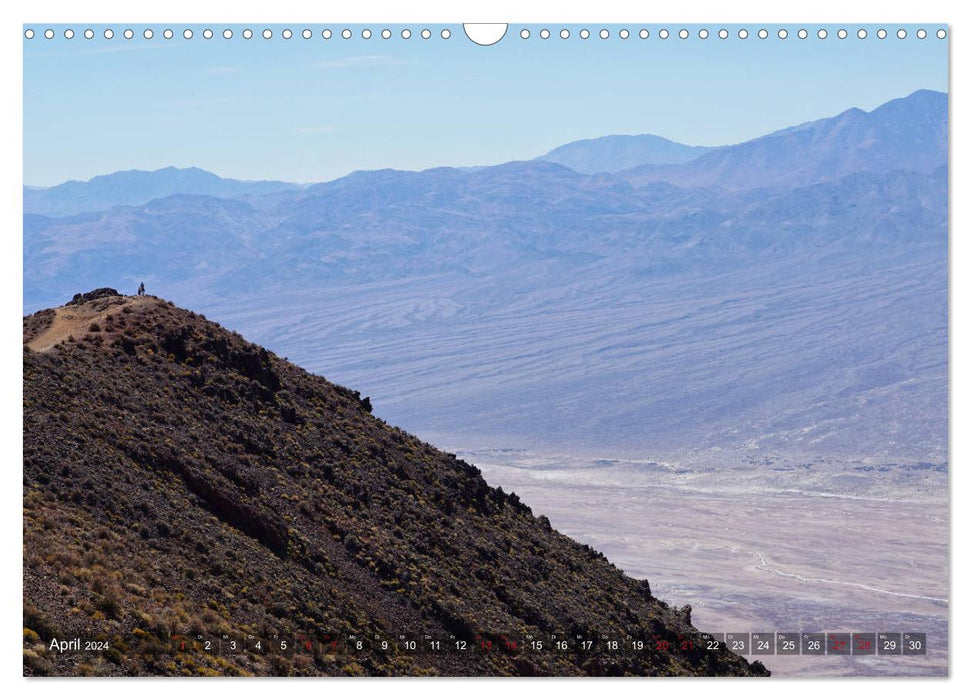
(180, 481)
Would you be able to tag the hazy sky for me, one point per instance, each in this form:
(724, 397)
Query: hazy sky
(312, 110)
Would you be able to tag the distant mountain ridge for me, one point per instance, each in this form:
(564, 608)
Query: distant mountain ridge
(609, 154)
(909, 133)
(134, 187)
(393, 224)
(401, 277)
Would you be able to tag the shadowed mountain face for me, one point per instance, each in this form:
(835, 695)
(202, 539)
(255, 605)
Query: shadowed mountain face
(609, 154)
(138, 187)
(179, 480)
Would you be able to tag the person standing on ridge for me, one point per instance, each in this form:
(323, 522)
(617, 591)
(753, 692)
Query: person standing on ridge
(141, 289)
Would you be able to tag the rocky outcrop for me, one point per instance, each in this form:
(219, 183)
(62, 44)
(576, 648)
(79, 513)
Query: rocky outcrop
(99, 293)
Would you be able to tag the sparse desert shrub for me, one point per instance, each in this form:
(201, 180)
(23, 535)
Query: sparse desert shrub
(109, 605)
(113, 655)
(36, 620)
(37, 665)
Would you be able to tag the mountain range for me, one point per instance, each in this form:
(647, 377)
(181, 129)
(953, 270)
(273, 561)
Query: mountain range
(904, 134)
(130, 187)
(787, 292)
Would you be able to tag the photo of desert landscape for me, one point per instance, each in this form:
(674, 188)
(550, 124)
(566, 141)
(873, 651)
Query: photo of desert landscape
(546, 350)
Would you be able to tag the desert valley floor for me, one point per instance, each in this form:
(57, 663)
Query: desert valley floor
(758, 559)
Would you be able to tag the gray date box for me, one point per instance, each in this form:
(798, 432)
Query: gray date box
(713, 641)
(838, 643)
(738, 642)
(889, 643)
(763, 642)
(813, 644)
(864, 643)
(914, 644)
(787, 643)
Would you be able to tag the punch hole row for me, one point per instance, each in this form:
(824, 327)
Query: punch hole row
(267, 33)
(446, 33)
(742, 33)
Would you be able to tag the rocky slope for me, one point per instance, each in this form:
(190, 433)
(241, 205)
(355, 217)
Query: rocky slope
(179, 480)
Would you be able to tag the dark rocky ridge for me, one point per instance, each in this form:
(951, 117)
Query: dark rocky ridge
(179, 480)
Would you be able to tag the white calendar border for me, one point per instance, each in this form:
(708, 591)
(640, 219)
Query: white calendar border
(601, 11)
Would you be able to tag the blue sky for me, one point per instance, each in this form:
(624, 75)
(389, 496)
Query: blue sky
(312, 110)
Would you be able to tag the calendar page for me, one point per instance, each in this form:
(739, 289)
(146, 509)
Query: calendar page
(475, 350)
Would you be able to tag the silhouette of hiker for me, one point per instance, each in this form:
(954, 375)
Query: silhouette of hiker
(141, 289)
